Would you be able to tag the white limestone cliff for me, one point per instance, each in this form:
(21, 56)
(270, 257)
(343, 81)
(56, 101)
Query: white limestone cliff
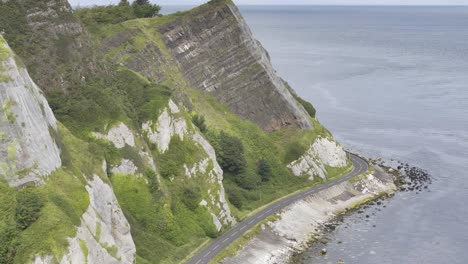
(28, 151)
(171, 122)
(323, 152)
(104, 230)
(119, 135)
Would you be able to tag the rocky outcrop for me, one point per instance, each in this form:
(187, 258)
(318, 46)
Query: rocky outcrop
(298, 222)
(218, 54)
(126, 167)
(28, 152)
(171, 123)
(324, 152)
(218, 199)
(104, 235)
(119, 135)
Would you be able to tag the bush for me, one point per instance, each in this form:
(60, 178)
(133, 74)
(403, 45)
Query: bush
(295, 151)
(307, 106)
(114, 14)
(8, 244)
(230, 154)
(199, 121)
(192, 197)
(264, 170)
(247, 181)
(28, 208)
(234, 196)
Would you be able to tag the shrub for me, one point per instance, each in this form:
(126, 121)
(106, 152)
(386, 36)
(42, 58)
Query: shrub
(28, 208)
(230, 154)
(114, 14)
(295, 151)
(307, 106)
(8, 244)
(192, 197)
(264, 170)
(235, 197)
(199, 121)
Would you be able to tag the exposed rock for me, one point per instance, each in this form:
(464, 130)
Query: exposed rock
(104, 230)
(126, 167)
(28, 151)
(216, 222)
(172, 122)
(329, 152)
(216, 175)
(218, 54)
(119, 135)
(323, 152)
(149, 159)
(167, 126)
(299, 221)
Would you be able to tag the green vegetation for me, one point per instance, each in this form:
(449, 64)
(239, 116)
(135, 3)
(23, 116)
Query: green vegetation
(199, 121)
(180, 152)
(164, 227)
(105, 99)
(264, 170)
(4, 54)
(230, 153)
(114, 14)
(28, 208)
(307, 106)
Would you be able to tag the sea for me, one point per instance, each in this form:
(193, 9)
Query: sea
(389, 82)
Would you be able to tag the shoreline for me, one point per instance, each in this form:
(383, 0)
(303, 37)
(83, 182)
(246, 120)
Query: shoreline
(303, 223)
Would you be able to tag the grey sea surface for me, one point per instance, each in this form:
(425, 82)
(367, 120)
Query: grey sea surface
(389, 82)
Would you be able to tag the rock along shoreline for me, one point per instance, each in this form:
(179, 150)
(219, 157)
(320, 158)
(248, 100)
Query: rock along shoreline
(304, 222)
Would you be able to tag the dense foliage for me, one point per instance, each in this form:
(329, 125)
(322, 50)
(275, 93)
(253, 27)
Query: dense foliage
(28, 208)
(230, 153)
(199, 121)
(114, 14)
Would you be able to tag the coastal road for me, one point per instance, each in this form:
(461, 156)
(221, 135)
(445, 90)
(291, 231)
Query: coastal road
(209, 252)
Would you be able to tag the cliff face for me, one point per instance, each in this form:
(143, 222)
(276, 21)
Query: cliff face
(46, 33)
(216, 53)
(219, 55)
(28, 150)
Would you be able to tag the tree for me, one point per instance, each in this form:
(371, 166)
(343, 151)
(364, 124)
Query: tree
(142, 2)
(231, 153)
(264, 170)
(143, 8)
(124, 3)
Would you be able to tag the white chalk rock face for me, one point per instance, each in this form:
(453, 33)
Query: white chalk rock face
(168, 125)
(120, 136)
(126, 167)
(172, 122)
(223, 214)
(104, 235)
(324, 152)
(28, 152)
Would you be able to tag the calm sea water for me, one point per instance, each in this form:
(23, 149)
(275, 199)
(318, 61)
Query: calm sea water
(388, 82)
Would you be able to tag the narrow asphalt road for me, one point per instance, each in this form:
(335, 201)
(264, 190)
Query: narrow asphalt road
(204, 256)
